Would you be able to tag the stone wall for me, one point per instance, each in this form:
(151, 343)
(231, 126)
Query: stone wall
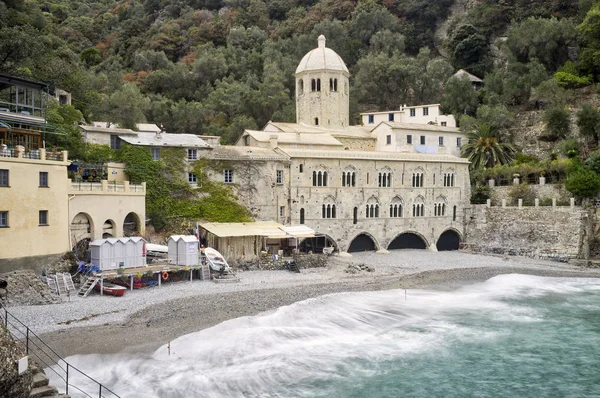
(268, 263)
(25, 288)
(542, 192)
(558, 233)
(11, 384)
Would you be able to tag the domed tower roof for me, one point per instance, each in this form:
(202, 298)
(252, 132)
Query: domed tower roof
(321, 58)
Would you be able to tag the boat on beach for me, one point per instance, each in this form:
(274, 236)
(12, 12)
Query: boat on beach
(111, 289)
(216, 261)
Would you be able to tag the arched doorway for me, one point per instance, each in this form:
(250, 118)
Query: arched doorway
(108, 229)
(131, 225)
(449, 240)
(82, 227)
(317, 244)
(362, 243)
(407, 240)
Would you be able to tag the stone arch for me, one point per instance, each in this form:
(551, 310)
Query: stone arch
(450, 239)
(131, 224)
(408, 240)
(362, 242)
(317, 243)
(82, 227)
(109, 229)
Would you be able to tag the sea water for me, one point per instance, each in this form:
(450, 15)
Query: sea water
(512, 336)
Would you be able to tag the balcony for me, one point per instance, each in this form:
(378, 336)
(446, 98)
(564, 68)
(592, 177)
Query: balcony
(106, 187)
(38, 154)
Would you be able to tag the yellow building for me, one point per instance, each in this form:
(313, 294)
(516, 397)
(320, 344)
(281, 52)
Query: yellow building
(33, 207)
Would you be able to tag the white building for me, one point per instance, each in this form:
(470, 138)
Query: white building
(421, 114)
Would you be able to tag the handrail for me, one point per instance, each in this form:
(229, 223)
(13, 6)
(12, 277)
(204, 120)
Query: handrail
(29, 335)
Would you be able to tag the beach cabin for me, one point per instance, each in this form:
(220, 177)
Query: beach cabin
(112, 253)
(183, 250)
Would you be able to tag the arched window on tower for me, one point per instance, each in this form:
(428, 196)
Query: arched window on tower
(330, 84)
(318, 84)
(334, 84)
(300, 86)
(316, 121)
(313, 85)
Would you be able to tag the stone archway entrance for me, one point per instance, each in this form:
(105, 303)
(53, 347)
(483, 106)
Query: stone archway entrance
(362, 243)
(317, 244)
(449, 240)
(407, 240)
(131, 225)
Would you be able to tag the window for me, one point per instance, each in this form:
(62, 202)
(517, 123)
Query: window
(115, 142)
(281, 211)
(3, 219)
(192, 154)
(44, 179)
(301, 167)
(459, 141)
(3, 178)
(449, 179)
(418, 210)
(316, 121)
(313, 85)
(391, 117)
(300, 86)
(328, 208)
(348, 178)
(441, 141)
(43, 217)
(155, 153)
(396, 208)
(319, 179)
(192, 178)
(279, 177)
(422, 140)
(355, 218)
(371, 119)
(444, 124)
(417, 180)
(413, 112)
(228, 176)
(409, 139)
(425, 111)
(388, 139)
(439, 209)
(318, 84)
(301, 216)
(454, 213)
(332, 84)
(385, 180)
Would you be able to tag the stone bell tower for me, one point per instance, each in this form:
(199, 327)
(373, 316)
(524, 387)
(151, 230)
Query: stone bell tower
(322, 88)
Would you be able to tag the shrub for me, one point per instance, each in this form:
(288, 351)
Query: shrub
(570, 80)
(583, 183)
(480, 194)
(557, 122)
(570, 147)
(521, 191)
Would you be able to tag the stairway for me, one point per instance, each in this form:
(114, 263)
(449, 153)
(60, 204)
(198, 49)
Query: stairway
(292, 266)
(40, 386)
(62, 284)
(87, 286)
(204, 272)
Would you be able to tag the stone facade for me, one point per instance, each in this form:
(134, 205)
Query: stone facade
(558, 233)
(544, 192)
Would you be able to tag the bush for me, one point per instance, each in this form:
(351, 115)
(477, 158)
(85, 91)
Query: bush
(521, 191)
(480, 194)
(570, 80)
(570, 147)
(583, 183)
(522, 158)
(557, 122)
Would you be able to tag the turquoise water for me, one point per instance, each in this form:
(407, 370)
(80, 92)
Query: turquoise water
(512, 336)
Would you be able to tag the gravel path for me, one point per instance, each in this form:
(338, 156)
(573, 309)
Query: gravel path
(143, 320)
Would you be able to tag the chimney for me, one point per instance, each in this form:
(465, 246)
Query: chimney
(273, 141)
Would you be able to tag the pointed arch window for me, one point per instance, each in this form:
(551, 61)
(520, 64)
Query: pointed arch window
(417, 179)
(355, 218)
(349, 177)
(300, 86)
(418, 207)
(328, 209)
(319, 178)
(397, 208)
(439, 207)
(449, 179)
(385, 179)
(372, 208)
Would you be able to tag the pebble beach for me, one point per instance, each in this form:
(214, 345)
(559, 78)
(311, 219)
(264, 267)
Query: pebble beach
(145, 319)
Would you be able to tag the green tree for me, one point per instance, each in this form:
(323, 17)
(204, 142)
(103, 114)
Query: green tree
(588, 121)
(459, 97)
(485, 149)
(126, 107)
(583, 183)
(558, 123)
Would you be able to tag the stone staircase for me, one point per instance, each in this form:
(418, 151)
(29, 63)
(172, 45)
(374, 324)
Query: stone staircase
(40, 387)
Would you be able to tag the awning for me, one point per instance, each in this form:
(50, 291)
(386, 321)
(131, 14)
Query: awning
(299, 231)
(268, 229)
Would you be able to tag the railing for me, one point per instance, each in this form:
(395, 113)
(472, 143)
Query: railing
(8, 153)
(31, 155)
(47, 357)
(106, 186)
(86, 186)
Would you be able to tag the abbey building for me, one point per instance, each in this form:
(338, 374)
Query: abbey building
(385, 185)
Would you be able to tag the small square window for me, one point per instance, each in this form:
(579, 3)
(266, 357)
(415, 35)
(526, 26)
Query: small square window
(281, 211)
(44, 179)
(422, 140)
(391, 117)
(155, 153)
(409, 139)
(371, 119)
(192, 178)
(192, 154)
(3, 219)
(3, 178)
(413, 112)
(301, 168)
(425, 111)
(441, 141)
(228, 176)
(43, 217)
(444, 124)
(279, 177)
(459, 141)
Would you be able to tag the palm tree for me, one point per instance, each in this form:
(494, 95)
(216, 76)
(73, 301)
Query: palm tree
(485, 149)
